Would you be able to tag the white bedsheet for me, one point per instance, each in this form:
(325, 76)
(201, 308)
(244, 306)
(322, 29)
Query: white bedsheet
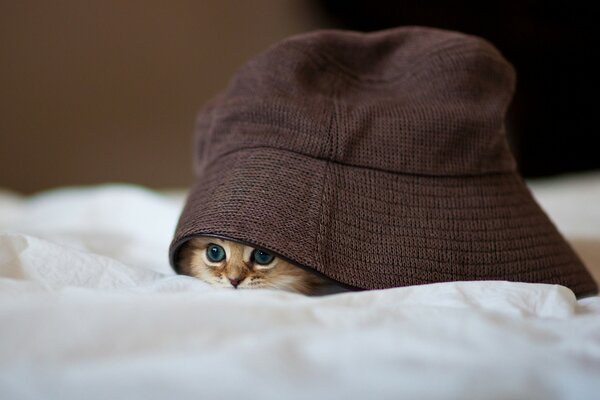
(89, 308)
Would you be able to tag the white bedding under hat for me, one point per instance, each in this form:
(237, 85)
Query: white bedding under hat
(89, 308)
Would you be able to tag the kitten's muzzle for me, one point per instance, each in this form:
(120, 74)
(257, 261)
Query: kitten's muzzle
(235, 281)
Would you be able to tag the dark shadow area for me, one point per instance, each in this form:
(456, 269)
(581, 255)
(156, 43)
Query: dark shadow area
(553, 47)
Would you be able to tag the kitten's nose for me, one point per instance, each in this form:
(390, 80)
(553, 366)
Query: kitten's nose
(234, 281)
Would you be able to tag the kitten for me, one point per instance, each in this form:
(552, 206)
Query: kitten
(227, 264)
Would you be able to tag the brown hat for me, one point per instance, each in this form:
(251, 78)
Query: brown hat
(378, 160)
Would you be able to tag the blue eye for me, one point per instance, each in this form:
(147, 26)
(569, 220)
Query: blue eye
(262, 257)
(215, 253)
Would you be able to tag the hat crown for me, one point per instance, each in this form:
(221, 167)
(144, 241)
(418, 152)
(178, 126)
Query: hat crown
(405, 100)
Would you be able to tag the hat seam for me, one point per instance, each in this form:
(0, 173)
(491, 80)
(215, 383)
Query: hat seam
(322, 228)
(408, 178)
(551, 279)
(449, 250)
(515, 204)
(478, 196)
(454, 240)
(494, 263)
(472, 276)
(321, 59)
(348, 188)
(369, 168)
(250, 141)
(523, 210)
(459, 219)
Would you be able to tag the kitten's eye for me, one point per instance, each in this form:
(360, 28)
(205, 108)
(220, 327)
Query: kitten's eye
(262, 257)
(215, 253)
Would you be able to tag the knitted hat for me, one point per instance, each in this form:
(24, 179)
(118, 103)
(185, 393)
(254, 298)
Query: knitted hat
(377, 160)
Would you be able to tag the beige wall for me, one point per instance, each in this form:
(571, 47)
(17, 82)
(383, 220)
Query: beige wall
(106, 91)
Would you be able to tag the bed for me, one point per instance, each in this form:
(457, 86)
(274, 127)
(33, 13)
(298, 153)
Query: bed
(89, 308)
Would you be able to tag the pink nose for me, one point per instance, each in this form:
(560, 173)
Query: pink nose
(234, 282)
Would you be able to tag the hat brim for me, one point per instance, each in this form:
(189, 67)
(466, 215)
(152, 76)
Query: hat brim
(373, 229)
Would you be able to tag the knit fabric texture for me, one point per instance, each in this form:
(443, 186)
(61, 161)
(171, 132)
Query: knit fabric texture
(377, 160)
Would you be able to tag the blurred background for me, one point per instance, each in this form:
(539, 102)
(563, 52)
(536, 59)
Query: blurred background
(107, 91)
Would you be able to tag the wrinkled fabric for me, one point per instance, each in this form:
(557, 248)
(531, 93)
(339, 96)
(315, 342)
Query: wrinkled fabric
(89, 308)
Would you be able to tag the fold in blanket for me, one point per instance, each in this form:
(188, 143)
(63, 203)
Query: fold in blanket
(85, 316)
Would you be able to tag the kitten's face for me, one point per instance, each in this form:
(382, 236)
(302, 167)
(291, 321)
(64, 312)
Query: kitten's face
(227, 264)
